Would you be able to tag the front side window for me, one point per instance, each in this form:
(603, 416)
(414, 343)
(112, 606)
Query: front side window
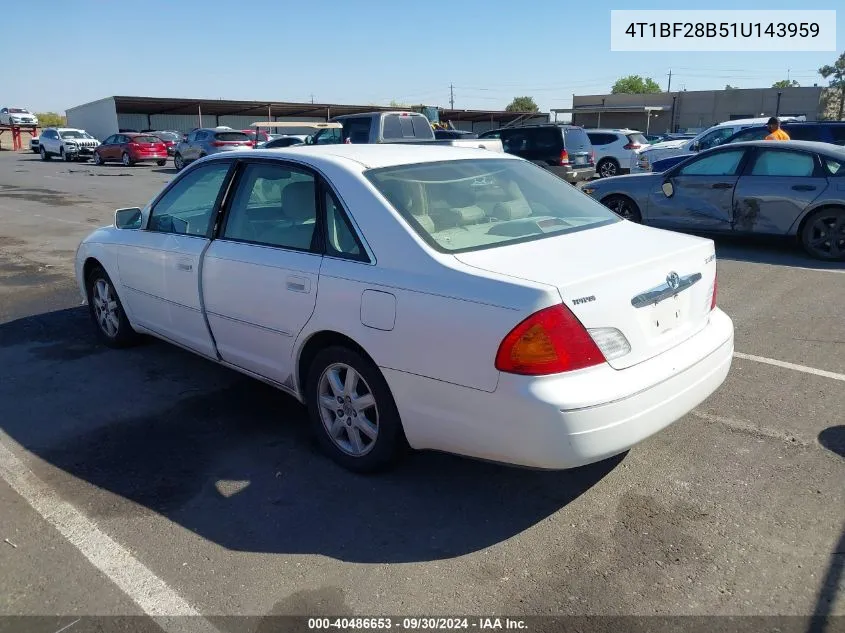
(714, 138)
(328, 136)
(780, 163)
(719, 164)
(466, 205)
(109, 140)
(274, 206)
(187, 207)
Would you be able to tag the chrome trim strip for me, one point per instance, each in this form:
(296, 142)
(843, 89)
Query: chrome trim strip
(664, 291)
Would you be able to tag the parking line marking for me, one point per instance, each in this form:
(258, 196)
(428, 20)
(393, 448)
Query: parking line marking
(785, 365)
(136, 580)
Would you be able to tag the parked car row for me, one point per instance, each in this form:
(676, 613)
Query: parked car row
(793, 189)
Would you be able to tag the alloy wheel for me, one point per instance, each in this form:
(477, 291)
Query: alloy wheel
(348, 410)
(106, 308)
(826, 237)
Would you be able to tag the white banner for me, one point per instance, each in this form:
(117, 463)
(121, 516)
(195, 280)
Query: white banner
(722, 30)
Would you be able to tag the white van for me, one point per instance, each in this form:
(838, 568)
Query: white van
(643, 158)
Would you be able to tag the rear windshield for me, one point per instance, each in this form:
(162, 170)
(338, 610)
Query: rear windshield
(397, 126)
(231, 136)
(467, 205)
(638, 138)
(576, 139)
(146, 139)
(168, 136)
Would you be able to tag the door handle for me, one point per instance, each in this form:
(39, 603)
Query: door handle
(299, 284)
(185, 266)
(721, 185)
(803, 187)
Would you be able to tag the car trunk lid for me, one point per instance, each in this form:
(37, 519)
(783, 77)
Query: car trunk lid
(654, 286)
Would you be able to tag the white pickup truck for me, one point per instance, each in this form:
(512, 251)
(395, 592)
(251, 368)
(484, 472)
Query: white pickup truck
(642, 159)
(386, 127)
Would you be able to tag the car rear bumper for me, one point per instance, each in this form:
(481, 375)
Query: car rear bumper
(566, 420)
(572, 174)
(148, 158)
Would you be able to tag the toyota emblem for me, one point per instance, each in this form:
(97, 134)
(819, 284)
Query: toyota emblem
(673, 280)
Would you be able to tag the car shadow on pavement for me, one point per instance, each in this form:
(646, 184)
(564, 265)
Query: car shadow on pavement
(236, 464)
(166, 170)
(833, 439)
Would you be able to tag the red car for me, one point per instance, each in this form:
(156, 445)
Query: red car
(130, 148)
(261, 136)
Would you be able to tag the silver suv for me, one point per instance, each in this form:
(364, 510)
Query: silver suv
(207, 141)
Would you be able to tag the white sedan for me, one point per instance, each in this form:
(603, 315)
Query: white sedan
(433, 297)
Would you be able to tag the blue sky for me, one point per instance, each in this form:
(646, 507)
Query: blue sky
(360, 52)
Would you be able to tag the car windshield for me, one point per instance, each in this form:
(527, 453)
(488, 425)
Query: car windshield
(74, 134)
(466, 205)
(18, 111)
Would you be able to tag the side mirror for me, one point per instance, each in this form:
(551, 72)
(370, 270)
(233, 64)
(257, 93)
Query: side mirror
(695, 146)
(668, 189)
(129, 218)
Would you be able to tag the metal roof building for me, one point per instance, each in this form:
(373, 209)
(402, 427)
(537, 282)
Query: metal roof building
(106, 116)
(693, 110)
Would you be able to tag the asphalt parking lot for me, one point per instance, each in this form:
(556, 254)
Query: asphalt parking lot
(153, 481)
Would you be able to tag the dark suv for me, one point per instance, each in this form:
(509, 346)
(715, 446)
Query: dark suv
(565, 150)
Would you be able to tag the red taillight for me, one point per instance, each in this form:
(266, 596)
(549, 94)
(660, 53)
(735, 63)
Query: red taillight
(715, 290)
(564, 157)
(632, 146)
(593, 157)
(550, 341)
(133, 145)
(250, 143)
(218, 143)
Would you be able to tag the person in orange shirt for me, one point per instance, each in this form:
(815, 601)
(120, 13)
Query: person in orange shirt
(775, 133)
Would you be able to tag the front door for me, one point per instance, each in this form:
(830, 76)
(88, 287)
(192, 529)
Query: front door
(776, 187)
(702, 193)
(260, 275)
(160, 266)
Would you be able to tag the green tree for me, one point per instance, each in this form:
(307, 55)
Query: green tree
(634, 84)
(50, 119)
(399, 106)
(836, 74)
(522, 104)
(786, 83)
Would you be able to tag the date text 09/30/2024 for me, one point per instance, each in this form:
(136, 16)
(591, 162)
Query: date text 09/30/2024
(416, 624)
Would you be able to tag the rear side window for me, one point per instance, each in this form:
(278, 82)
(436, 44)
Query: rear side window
(600, 138)
(396, 126)
(576, 139)
(803, 132)
(357, 130)
(637, 139)
(752, 134)
(780, 163)
(231, 136)
(837, 133)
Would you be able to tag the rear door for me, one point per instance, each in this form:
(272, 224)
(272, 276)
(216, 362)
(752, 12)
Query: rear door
(702, 192)
(260, 275)
(777, 185)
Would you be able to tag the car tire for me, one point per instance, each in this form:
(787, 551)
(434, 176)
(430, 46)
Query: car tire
(624, 207)
(823, 234)
(607, 168)
(178, 162)
(363, 438)
(98, 160)
(107, 313)
(45, 155)
(64, 155)
(161, 163)
(126, 160)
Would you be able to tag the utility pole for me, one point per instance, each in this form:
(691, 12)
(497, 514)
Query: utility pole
(312, 97)
(451, 97)
(669, 87)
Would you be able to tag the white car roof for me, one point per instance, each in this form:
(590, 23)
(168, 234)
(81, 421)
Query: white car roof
(381, 154)
(613, 130)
